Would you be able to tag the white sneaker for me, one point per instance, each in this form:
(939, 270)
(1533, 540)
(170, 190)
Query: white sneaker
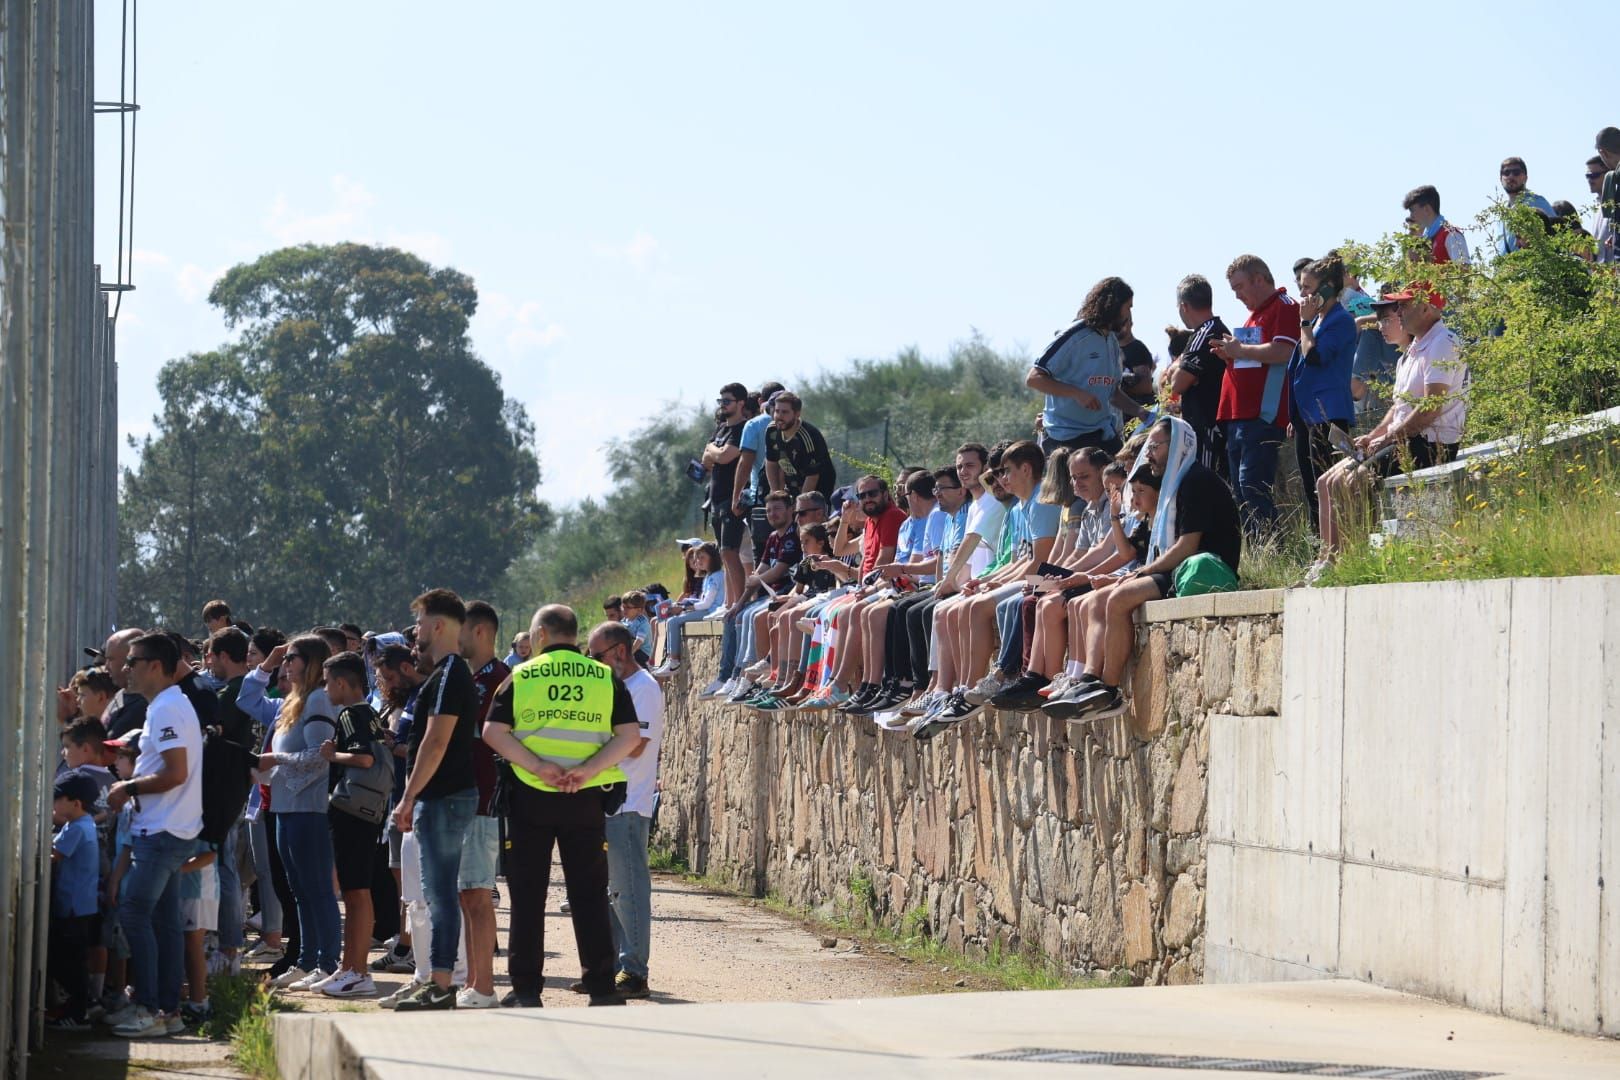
(758, 671)
(399, 995)
(287, 978)
(266, 951)
(733, 684)
(349, 984)
(321, 984)
(713, 689)
(120, 1015)
(470, 998)
(142, 1023)
(1059, 684)
(987, 688)
(668, 667)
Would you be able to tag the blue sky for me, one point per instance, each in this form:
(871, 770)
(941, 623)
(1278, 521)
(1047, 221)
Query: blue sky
(656, 199)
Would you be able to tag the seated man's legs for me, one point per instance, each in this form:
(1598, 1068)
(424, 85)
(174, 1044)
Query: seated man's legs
(1122, 602)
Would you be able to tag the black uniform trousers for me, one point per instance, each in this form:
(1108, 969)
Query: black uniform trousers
(920, 633)
(897, 651)
(576, 824)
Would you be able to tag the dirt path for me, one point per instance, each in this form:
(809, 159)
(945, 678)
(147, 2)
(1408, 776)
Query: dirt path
(706, 947)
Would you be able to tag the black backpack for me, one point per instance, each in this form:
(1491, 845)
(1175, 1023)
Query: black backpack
(226, 781)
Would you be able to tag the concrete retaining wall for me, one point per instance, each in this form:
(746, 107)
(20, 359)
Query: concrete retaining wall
(1086, 844)
(1437, 809)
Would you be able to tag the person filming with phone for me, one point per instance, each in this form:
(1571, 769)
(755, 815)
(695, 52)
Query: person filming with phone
(1319, 373)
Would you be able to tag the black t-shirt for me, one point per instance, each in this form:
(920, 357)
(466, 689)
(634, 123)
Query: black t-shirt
(449, 691)
(1137, 358)
(802, 456)
(1204, 505)
(723, 478)
(357, 727)
(1199, 401)
(814, 581)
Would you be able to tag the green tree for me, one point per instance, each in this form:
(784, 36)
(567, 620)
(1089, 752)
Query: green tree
(346, 451)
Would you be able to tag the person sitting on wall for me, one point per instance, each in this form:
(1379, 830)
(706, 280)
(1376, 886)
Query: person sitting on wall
(1194, 547)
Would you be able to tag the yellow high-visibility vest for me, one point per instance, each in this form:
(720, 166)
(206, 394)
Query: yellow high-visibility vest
(562, 709)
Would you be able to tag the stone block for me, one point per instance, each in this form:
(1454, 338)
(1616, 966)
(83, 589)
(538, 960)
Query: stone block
(1184, 913)
(1181, 973)
(1187, 796)
(1137, 916)
(1215, 663)
(1182, 855)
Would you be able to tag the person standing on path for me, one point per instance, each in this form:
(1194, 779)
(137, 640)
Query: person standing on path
(629, 882)
(441, 793)
(166, 791)
(563, 722)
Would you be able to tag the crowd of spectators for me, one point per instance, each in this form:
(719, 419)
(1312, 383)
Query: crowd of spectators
(1009, 576)
(336, 793)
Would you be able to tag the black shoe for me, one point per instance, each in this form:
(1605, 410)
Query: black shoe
(1022, 695)
(1099, 704)
(1067, 704)
(960, 709)
(606, 999)
(428, 999)
(578, 988)
(892, 696)
(515, 1000)
(629, 986)
(858, 701)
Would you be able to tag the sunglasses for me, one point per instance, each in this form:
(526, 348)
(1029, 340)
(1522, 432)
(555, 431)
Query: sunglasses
(724, 401)
(597, 656)
(947, 487)
(801, 513)
(865, 495)
(1594, 176)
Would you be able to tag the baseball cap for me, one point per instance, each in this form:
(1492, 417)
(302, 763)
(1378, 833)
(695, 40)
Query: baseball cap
(132, 740)
(1417, 290)
(77, 786)
(95, 654)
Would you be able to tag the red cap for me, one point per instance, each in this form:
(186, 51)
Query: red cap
(1417, 290)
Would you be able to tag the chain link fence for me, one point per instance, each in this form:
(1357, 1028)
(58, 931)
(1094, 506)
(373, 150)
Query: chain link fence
(58, 458)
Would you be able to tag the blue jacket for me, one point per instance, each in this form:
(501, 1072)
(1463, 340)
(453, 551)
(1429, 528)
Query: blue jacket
(1320, 391)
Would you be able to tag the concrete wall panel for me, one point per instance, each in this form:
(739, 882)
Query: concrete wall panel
(1286, 910)
(1524, 931)
(1422, 933)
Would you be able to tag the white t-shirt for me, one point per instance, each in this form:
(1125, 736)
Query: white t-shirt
(642, 771)
(985, 518)
(1433, 359)
(171, 724)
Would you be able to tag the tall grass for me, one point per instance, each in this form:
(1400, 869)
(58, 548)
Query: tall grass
(1555, 517)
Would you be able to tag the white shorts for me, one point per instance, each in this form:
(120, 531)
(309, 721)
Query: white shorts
(201, 914)
(410, 869)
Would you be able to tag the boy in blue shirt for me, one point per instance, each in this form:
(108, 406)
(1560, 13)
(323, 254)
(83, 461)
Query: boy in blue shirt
(76, 858)
(634, 606)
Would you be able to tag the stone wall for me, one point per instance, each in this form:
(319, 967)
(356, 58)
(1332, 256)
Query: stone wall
(1084, 843)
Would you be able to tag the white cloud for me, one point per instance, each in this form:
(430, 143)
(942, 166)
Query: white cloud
(642, 253)
(351, 202)
(192, 282)
(519, 327)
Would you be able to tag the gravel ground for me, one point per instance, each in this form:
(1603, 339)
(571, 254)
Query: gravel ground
(706, 947)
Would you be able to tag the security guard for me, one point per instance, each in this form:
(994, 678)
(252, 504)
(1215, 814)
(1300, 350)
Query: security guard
(563, 722)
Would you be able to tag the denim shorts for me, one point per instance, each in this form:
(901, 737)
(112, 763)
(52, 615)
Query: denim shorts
(480, 854)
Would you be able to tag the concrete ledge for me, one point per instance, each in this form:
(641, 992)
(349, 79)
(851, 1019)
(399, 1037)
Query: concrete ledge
(702, 628)
(1253, 602)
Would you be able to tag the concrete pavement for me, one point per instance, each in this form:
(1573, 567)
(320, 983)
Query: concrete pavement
(1275, 1028)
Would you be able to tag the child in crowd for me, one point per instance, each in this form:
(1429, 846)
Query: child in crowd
(84, 751)
(113, 999)
(199, 907)
(354, 839)
(702, 597)
(634, 606)
(74, 910)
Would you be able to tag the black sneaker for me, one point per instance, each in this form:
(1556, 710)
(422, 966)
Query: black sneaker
(515, 1000)
(1099, 704)
(431, 997)
(1022, 695)
(606, 999)
(960, 709)
(1067, 704)
(892, 696)
(630, 986)
(858, 701)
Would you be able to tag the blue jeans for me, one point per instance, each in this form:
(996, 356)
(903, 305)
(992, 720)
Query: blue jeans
(1010, 623)
(748, 652)
(230, 890)
(269, 901)
(441, 828)
(730, 630)
(304, 840)
(630, 890)
(149, 912)
(1251, 452)
(672, 630)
